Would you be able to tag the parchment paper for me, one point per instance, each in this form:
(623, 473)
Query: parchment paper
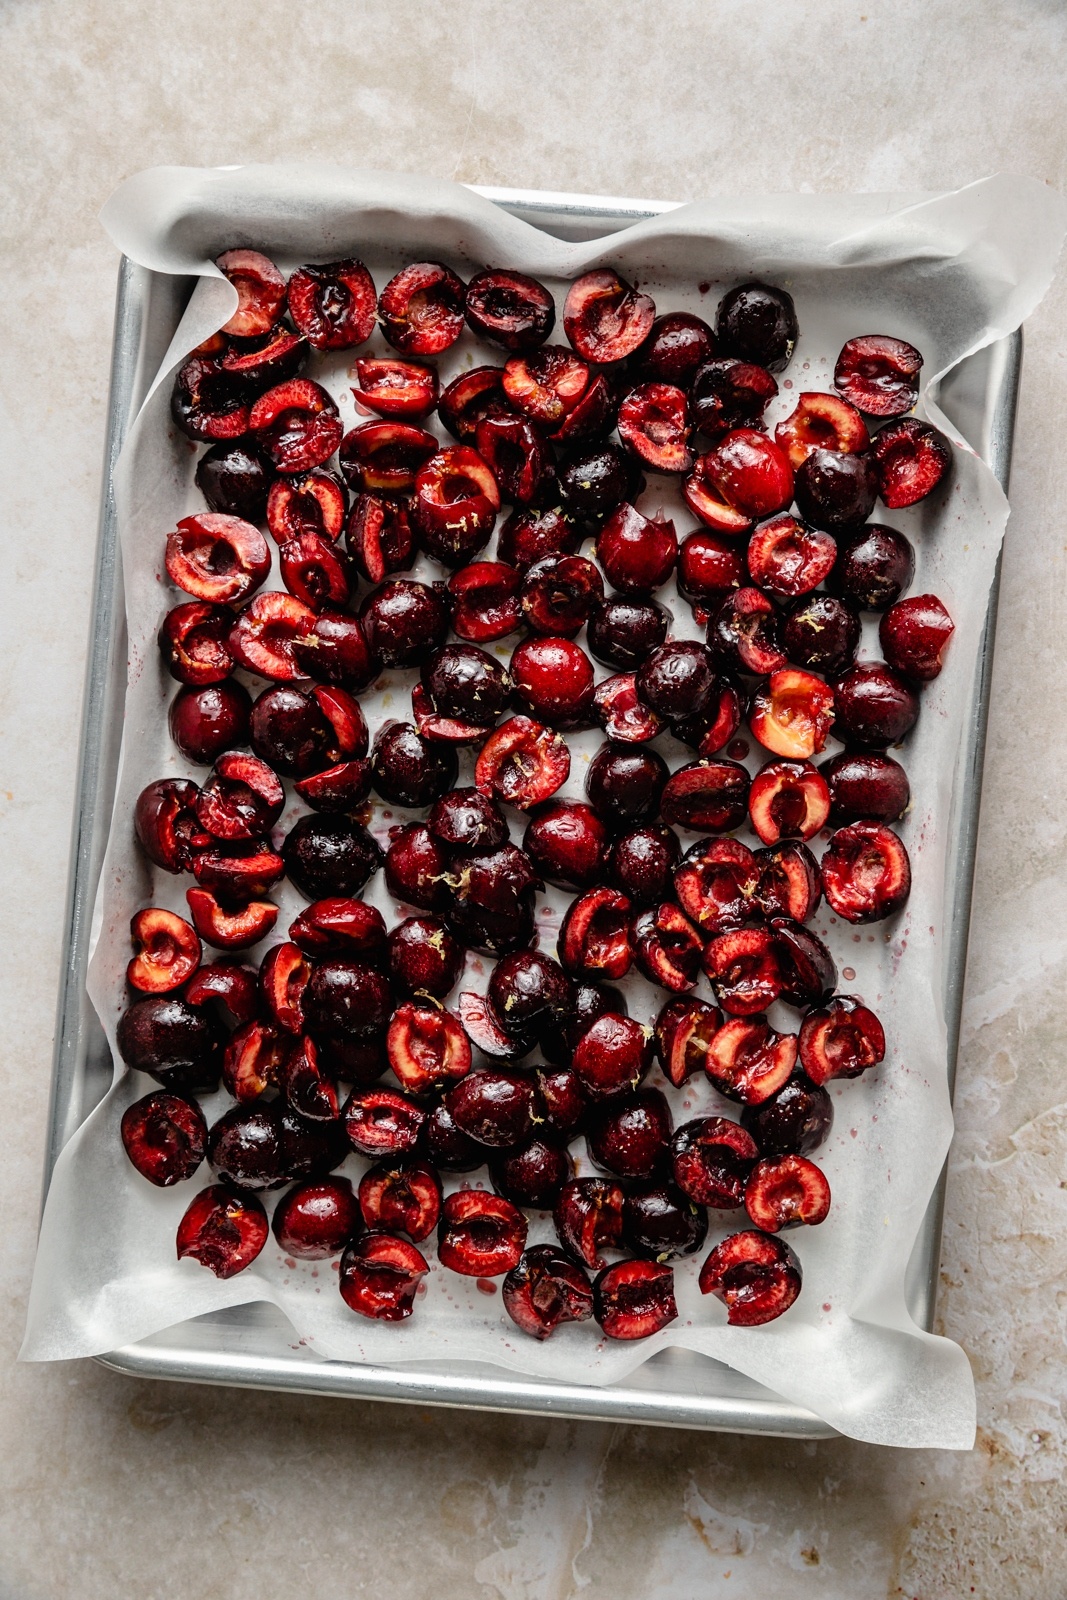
(950, 273)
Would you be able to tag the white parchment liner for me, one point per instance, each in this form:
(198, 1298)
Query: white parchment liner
(950, 273)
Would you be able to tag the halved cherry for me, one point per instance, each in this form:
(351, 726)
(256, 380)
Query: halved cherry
(421, 309)
(705, 501)
(238, 873)
(621, 714)
(748, 1061)
(230, 930)
(654, 424)
(168, 951)
(283, 978)
(455, 505)
(588, 1218)
(728, 393)
(315, 502)
(480, 1235)
(333, 304)
(606, 318)
(594, 938)
(743, 633)
(516, 454)
(559, 593)
(385, 457)
(427, 1047)
(522, 762)
(312, 571)
(545, 385)
(716, 883)
(710, 796)
(264, 635)
(333, 648)
(272, 358)
(914, 634)
(395, 388)
(792, 713)
(634, 1299)
(343, 787)
(433, 724)
(879, 375)
(866, 874)
(216, 558)
(340, 927)
(242, 799)
(383, 1122)
(510, 309)
(750, 473)
(711, 1158)
(192, 642)
(260, 292)
(234, 987)
(208, 403)
(788, 558)
(714, 727)
(613, 1055)
(484, 1031)
(708, 567)
(809, 974)
(840, 1040)
(380, 537)
(788, 882)
(821, 422)
(755, 1275)
(683, 1033)
(637, 553)
(297, 425)
(165, 1137)
(785, 1192)
(910, 460)
(401, 1197)
(744, 970)
(545, 1290)
(470, 397)
(486, 601)
(788, 800)
(591, 418)
(252, 1060)
(379, 1277)
(667, 948)
(223, 1230)
(307, 1086)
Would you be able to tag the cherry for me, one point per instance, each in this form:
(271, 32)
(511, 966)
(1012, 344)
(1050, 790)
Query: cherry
(522, 763)
(914, 634)
(588, 1218)
(470, 397)
(401, 1197)
(226, 928)
(222, 1230)
(424, 957)
(795, 1121)
(545, 385)
(591, 418)
(516, 455)
(379, 536)
(380, 1277)
(677, 344)
(529, 535)
(634, 1299)
(715, 726)
(636, 552)
(710, 796)
(448, 1146)
(606, 318)
(727, 393)
(641, 863)
(874, 567)
(383, 1122)
(246, 1147)
(167, 951)
(596, 481)
(743, 632)
(841, 1039)
(510, 309)
(333, 304)
(166, 1037)
(215, 558)
(553, 680)
(866, 874)
(455, 505)
(298, 733)
(415, 867)
(532, 1175)
(192, 642)
(708, 567)
(234, 480)
(296, 424)
(348, 997)
(749, 1061)
(836, 492)
(495, 1109)
(333, 648)
(421, 309)
(667, 948)
(788, 882)
(283, 976)
(755, 1275)
(711, 1158)
(788, 800)
(404, 620)
(329, 855)
(486, 1033)
(716, 883)
(238, 873)
(260, 292)
(654, 426)
(485, 598)
(910, 460)
(208, 403)
(793, 712)
(786, 1191)
(426, 1047)
(744, 969)
(469, 821)
(395, 388)
(879, 375)
(683, 1032)
(385, 457)
(480, 1235)
(623, 631)
(242, 799)
(316, 1220)
(269, 359)
(563, 1101)
(677, 679)
(264, 637)
(821, 422)
(806, 965)
(567, 843)
(662, 1223)
(629, 1135)
(789, 559)
(624, 784)
(594, 938)
(165, 1137)
(759, 324)
(529, 991)
(821, 633)
(408, 770)
(493, 901)
(866, 786)
(558, 594)
(545, 1290)
(874, 705)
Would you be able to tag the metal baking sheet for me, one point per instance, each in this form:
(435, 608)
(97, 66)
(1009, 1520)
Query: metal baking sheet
(253, 1345)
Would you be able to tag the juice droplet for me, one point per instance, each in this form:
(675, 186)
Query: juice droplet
(486, 1286)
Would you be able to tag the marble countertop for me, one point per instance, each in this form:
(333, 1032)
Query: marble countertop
(163, 1492)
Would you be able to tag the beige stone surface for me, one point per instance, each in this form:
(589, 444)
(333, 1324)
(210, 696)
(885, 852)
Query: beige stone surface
(153, 1492)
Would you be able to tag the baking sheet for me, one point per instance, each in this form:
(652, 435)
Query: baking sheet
(937, 272)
